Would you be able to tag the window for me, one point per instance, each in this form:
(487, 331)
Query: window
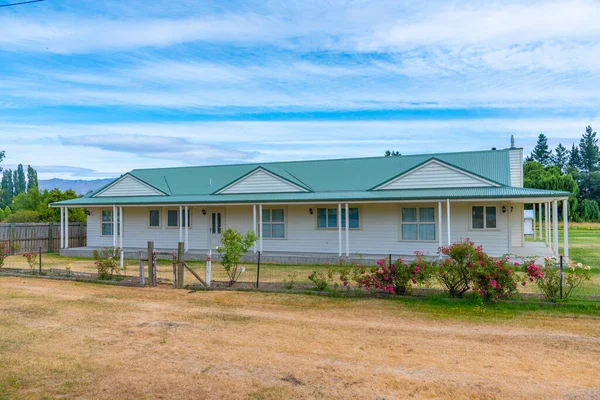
(216, 223)
(418, 223)
(173, 218)
(483, 217)
(327, 218)
(154, 218)
(107, 223)
(273, 223)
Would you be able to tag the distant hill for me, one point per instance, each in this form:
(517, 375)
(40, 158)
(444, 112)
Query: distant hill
(80, 186)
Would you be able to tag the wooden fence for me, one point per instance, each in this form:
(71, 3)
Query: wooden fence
(25, 237)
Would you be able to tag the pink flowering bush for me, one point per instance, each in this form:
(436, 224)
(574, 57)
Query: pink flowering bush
(455, 272)
(494, 278)
(31, 259)
(4, 252)
(396, 278)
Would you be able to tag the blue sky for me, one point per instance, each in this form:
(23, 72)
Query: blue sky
(92, 89)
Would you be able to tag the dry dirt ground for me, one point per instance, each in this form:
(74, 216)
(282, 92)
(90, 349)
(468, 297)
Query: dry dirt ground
(74, 340)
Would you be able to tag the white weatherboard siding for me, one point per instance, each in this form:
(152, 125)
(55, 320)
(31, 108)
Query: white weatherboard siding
(261, 181)
(435, 175)
(128, 186)
(516, 167)
(379, 233)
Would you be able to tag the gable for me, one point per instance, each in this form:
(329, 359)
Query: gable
(128, 186)
(435, 174)
(261, 181)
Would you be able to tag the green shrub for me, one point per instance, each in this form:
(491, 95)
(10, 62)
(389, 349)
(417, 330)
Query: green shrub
(107, 262)
(235, 245)
(289, 281)
(322, 280)
(454, 272)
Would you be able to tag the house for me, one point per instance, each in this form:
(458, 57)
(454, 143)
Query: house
(323, 210)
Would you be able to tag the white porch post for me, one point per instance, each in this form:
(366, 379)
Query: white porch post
(566, 230)
(508, 227)
(440, 225)
(555, 233)
(180, 223)
(546, 215)
(347, 231)
(254, 223)
(186, 214)
(66, 227)
(448, 220)
(260, 228)
(540, 221)
(534, 222)
(114, 225)
(62, 227)
(550, 214)
(339, 221)
(122, 255)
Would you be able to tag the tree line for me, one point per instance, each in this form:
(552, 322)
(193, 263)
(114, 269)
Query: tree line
(22, 201)
(576, 170)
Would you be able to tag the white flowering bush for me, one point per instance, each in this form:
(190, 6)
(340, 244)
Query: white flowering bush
(547, 278)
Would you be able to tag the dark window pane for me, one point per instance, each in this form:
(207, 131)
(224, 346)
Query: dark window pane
(266, 230)
(331, 218)
(409, 215)
(490, 217)
(218, 222)
(427, 232)
(409, 231)
(173, 218)
(477, 217)
(106, 216)
(214, 223)
(278, 230)
(426, 214)
(354, 223)
(107, 229)
(266, 215)
(154, 218)
(277, 215)
(321, 217)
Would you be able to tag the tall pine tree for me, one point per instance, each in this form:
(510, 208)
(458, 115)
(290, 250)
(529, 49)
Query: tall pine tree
(541, 153)
(575, 158)
(7, 187)
(19, 182)
(561, 157)
(588, 149)
(32, 180)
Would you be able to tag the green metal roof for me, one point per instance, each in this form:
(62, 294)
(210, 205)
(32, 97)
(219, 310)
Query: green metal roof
(326, 180)
(350, 174)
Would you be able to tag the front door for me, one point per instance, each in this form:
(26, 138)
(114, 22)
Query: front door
(216, 226)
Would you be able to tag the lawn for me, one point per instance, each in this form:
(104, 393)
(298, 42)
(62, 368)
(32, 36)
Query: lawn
(78, 340)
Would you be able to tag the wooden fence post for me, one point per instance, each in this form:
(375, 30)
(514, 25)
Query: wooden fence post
(180, 250)
(150, 270)
(50, 237)
(174, 270)
(11, 239)
(142, 277)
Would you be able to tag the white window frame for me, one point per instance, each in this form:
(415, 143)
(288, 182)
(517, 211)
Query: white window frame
(419, 223)
(485, 207)
(178, 223)
(102, 222)
(285, 217)
(159, 218)
(343, 220)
